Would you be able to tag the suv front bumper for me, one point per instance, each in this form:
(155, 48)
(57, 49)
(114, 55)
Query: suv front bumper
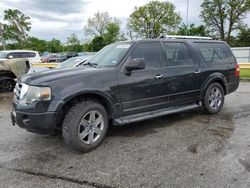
(41, 123)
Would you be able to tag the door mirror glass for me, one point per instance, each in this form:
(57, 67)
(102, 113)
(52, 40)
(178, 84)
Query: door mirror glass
(135, 64)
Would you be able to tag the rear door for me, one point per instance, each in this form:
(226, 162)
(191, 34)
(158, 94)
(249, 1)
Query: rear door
(183, 73)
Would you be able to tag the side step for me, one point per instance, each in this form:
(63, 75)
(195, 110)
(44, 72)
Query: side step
(152, 114)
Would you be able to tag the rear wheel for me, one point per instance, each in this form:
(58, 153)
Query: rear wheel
(85, 126)
(214, 98)
(7, 84)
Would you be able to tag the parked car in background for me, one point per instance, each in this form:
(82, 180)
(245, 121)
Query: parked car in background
(32, 56)
(10, 69)
(86, 53)
(58, 57)
(71, 54)
(69, 63)
(53, 57)
(73, 62)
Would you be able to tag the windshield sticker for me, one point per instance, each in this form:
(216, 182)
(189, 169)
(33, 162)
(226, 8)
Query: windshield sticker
(123, 46)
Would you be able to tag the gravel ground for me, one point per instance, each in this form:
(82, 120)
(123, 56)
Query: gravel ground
(189, 149)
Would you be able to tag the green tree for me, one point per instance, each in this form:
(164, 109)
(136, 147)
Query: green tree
(73, 43)
(54, 46)
(97, 43)
(153, 19)
(87, 47)
(36, 44)
(192, 30)
(17, 26)
(224, 16)
(243, 38)
(97, 25)
(112, 33)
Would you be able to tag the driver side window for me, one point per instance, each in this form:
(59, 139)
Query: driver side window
(151, 52)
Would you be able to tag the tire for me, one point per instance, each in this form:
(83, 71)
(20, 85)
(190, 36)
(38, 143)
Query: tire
(214, 98)
(7, 84)
(85, 126)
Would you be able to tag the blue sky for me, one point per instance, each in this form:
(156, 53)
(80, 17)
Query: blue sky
(61, 18)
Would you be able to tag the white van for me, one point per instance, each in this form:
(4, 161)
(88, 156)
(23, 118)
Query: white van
(32, 56)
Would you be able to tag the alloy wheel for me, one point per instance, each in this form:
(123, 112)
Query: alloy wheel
(215, 98)
(91, 127)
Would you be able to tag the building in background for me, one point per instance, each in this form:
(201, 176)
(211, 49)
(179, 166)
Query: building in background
(242, 54)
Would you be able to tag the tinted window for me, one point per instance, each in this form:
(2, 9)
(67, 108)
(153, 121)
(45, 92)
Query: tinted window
(15, 55)
(29, 54)
(110, 55)
(3, 55)
(150, 51)
(23, 54)
(214, 52)
(177, 54)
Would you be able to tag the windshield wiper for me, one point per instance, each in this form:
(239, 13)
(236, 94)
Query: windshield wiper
(90, 64)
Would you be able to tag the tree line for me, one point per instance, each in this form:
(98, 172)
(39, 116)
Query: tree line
(223, 19)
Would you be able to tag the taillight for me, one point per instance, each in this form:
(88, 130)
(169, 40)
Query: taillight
(237, 70)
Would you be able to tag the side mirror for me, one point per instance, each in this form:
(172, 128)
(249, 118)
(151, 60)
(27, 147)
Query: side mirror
(135, 64)
(10, 57)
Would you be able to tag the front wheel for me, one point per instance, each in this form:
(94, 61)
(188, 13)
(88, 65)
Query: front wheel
(85, 126)
(214, 98)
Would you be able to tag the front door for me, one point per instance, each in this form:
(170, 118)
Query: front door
(143, 90)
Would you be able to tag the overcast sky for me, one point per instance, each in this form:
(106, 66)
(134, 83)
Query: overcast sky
(60, 18)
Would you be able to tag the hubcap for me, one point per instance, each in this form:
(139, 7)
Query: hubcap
(215, 98)
(91, 127)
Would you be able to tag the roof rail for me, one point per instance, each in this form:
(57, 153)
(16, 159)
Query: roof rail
(184, 37)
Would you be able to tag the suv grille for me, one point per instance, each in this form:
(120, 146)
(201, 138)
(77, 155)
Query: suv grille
(17, 92)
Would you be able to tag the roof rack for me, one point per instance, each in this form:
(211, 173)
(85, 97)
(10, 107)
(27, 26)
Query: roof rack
(184, 37)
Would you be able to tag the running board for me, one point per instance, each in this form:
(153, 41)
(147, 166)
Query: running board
(152, 114)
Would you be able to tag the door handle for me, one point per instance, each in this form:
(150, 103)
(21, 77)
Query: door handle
(158, 76)
(197, 71)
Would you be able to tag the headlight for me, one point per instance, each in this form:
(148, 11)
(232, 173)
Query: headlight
(30, 94)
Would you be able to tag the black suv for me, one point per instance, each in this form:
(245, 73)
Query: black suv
(125, 82)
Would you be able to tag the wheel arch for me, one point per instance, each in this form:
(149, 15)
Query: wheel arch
(7, 73)
(219, 79)
(69, 102)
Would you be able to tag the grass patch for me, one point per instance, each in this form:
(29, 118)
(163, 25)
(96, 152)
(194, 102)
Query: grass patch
(245, 73)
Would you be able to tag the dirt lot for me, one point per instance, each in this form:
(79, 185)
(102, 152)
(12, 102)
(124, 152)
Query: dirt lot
(182, 150)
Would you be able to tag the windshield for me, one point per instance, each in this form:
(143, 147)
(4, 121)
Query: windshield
(3, 55)
(71, 62)
(110, 55)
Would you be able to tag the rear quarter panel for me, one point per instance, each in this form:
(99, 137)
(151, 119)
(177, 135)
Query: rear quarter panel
(221, 72)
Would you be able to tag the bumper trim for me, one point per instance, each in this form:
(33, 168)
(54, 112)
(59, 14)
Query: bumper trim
(41, 123)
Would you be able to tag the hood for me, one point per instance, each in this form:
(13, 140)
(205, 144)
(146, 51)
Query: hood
(44, 78)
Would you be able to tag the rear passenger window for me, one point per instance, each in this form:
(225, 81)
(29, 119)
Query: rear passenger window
(216, 53)
(27, 54)
(15, 55)
(150, 51)
(31, 54)
(177, 54)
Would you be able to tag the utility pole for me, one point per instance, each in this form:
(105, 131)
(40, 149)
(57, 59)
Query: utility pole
(1, 35)
(187, 21)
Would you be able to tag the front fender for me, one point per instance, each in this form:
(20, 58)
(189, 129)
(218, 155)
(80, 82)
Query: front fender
(58, 104)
